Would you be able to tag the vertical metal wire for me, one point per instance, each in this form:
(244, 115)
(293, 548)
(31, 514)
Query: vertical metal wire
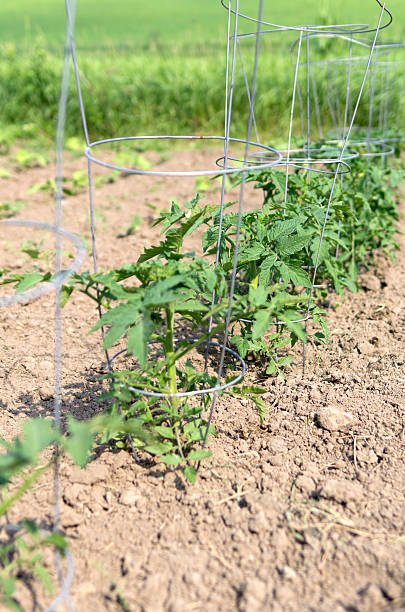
(331, 108)
(344, 146)
(91, 198)
(348, 83)
(372, 81)
(240, 209)
(401, 95)
(297, 63)
(308, 110)
(60, 131)
(229, 88)
(248, 92)
(317, 111)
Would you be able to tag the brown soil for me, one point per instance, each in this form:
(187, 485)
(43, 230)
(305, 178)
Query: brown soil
(304, 514)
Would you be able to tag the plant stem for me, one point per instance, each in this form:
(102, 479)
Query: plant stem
(169, 352)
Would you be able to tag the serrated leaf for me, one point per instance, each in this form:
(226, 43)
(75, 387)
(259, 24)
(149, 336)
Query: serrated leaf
(80, 441)
(151, 252)
(29, 281)
(190, 473)
(261, 324)
(297, 329)
(159, 448)
(165, 432)
(292, 244)
(281, 229)
(198, 455)
(266, 269)
(294, 274)
(242, 344)
(171, 459)
(139, 337)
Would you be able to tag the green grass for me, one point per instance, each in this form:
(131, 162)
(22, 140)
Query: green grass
(128, 94)
(153, 67)
(169, 24)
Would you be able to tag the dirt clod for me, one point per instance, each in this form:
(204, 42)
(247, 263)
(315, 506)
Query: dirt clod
(334, 419)
(342, 491)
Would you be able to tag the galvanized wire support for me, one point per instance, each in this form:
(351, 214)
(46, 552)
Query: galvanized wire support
(241, 154)
(54, 285)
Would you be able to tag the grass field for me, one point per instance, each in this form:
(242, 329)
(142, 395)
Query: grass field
(170, 24)
(153, 67)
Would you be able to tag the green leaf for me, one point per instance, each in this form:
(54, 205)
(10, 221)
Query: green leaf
(242, 344)
(165, 432)
(80, 441)
(159, 448)
(159, 293)
(279, 180)
(283, 361)
(151, 252)
(211, 279)
(295, 274)
(57, 541)
(246, 390)
(252, 253)
(262, 408)
(266, 268)
(297, 329)
(324, 253)
(292, 244)
(171, 459)
(44, 577)
(139, 336)
(190, 473)
(65, 293)
(261, 324)
(198, 455)
(283, 228)
(29, 281)
(121, 317)
(258, 296)
(38, 434)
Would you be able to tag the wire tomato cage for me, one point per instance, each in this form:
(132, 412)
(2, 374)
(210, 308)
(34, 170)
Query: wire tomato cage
(333, 157)
(65, 576)
(244, 155)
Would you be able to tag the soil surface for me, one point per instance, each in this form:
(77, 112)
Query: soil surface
(304, 514)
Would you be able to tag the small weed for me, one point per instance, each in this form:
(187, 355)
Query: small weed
(29, 159)
(130, 230)
(10, 209)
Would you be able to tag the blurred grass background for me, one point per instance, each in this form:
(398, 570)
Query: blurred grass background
(169, 25)
(156, 67)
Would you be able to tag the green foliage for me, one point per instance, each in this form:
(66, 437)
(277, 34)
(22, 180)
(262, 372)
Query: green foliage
(146, 304)
(144, 93)
(10, 209)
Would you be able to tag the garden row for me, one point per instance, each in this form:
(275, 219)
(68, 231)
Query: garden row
(160, 310)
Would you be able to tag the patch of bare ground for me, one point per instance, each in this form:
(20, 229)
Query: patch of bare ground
(306, 513)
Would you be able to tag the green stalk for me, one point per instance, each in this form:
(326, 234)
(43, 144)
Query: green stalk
(169, 352)
(255, 280)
